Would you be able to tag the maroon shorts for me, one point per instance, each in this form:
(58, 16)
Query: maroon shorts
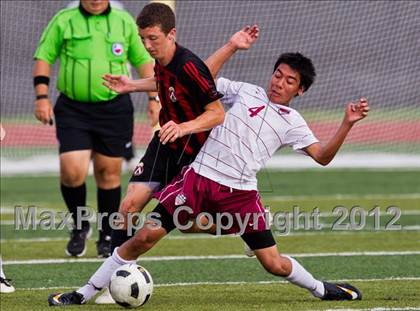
(232, 210)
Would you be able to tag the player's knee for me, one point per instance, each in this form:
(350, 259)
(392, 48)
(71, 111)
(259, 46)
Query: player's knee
(72, 179)
(107, 178)
(128, 205)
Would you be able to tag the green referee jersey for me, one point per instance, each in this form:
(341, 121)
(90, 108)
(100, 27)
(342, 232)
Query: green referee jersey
(90, 46)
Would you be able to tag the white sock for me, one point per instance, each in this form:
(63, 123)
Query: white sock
(102, 276)
(300, 277)
(1, 269)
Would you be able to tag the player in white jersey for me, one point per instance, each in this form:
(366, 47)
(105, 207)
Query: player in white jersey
(222, 179)
(254, 129)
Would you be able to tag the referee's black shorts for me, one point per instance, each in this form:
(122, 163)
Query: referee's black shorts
(160, 164)
(104, 127)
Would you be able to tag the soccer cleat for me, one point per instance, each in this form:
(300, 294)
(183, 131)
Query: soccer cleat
(341, 291)
(105, 297)
(103, 246)
(65, 299)
(5, 286)
(247, 250)
(77, 245)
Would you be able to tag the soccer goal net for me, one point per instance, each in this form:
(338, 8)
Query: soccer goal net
(359, 48)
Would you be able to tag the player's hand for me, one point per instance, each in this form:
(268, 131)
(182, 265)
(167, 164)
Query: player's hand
(44, 111)
(118, 84)
(357, 111)
(245, 38)
(170, 132)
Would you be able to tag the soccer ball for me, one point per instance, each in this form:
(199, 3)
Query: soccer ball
(131, 286)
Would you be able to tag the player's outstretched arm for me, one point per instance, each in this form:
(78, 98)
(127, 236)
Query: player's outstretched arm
(123, 84)
(241, 40)
(354, 112)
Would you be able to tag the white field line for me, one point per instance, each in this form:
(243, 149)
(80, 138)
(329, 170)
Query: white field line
(5, 210)
(215, 257)
(198, 236)
(239, 283)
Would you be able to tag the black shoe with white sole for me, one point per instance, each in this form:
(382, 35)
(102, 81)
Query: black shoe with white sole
(341, 291)
(77, 245)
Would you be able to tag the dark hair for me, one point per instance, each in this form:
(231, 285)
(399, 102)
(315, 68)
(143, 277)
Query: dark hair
(157, 14)
(301, 64)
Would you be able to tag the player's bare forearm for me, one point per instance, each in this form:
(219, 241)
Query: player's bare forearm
(354, 113)
(123, 84)
(146, 71)
(213, 116)
(216, 61)
(325, 154)
(145, 85)
(153, 110)
(241, 40)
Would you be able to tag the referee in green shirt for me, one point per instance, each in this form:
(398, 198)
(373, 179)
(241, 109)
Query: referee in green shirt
(92, 122)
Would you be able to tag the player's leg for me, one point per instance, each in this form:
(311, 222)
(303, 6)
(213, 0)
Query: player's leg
(148, 176)
(107, 172)
(141, 242)
(284, 266)
(5, 285)
(75, 145)
(73, 171)
(137, 196)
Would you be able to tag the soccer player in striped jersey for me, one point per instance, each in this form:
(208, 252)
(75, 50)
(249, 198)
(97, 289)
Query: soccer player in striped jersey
(222, 179)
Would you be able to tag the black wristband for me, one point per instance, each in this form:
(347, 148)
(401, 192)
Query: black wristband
(41, 80)
(41, 96)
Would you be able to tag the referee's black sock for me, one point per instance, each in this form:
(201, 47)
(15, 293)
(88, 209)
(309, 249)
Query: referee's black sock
(108, 202)
(74, 197)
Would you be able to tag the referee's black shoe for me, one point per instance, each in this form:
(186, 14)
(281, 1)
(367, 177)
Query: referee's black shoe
(77, 245)
(103, 246)
(341, 291)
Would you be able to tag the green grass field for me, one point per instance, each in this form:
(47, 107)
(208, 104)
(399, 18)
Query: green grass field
(200, 272)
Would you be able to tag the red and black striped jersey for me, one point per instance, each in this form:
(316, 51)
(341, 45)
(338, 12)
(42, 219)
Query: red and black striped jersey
(185, 87)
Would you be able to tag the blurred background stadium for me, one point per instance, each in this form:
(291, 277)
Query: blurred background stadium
(360, 48)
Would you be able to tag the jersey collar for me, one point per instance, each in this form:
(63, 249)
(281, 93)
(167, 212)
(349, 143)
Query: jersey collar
(87, 14)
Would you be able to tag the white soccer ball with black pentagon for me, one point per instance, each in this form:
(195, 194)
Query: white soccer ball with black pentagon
(131, 286)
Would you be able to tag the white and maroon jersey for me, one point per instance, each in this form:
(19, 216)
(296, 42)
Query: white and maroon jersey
(253, 130)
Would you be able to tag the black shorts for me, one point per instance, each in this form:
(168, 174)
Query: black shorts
(160, 164)
(104, 127)
(259, 240)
